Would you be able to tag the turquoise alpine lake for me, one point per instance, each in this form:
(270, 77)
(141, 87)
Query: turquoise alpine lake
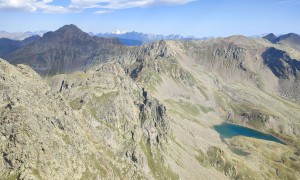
(227, 130)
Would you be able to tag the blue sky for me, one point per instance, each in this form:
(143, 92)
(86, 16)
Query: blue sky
(200, 18)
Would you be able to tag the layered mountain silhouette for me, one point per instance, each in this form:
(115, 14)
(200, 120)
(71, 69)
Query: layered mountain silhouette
(63, 51)
(271, 37)
(19, 36)
(8, 46)
(290, 39)
(136, 38)
(69, 49)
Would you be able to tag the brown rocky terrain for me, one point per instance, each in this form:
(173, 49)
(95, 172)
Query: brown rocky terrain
(148, 112)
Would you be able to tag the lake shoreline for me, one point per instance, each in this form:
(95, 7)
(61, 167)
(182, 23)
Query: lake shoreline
(275, 134)
(234, 129)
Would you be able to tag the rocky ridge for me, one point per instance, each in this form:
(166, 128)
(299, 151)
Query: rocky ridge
(90, 134)
(147, 112)
(40, 133)
(290, 39)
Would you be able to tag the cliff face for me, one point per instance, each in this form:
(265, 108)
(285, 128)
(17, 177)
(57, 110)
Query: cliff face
(124, 116)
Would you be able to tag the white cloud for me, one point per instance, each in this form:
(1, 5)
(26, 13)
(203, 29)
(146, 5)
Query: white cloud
(123, 4)
(103, 11)
(101, 6)
(17, 4)
(32, 6)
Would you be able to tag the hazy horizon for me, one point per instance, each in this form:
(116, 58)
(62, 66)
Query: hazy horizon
(113, 32)
(185, 17)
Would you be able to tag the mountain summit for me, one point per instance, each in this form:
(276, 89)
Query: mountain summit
(64, 50)
(271, 37)
(66, 32)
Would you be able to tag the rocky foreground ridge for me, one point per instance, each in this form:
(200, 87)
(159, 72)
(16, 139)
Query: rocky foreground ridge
(148, 112)
(45, 136)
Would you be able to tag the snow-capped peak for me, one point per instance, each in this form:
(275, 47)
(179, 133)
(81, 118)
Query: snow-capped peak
(118, 32)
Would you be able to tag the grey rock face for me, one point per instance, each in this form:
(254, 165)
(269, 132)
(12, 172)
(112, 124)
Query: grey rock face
(153, 119)
(43, 137)
(122, 114)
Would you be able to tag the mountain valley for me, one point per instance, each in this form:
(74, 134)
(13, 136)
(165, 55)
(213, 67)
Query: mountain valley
(75, 106)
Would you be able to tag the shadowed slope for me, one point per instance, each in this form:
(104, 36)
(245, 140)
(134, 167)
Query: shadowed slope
(65, 50)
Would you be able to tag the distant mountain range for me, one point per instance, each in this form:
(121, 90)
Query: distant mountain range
(134, 38)
(137, 38)
(72, 49)
(127, 38)
(20, 35)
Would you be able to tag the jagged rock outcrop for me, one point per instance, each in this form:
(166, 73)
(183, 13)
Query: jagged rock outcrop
(123, 114)
(43, 138)
(153, 119)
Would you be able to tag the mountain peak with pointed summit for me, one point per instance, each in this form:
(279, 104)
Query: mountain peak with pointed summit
(70, 28)
(66, 32)
(270, 37)
(69, 47)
